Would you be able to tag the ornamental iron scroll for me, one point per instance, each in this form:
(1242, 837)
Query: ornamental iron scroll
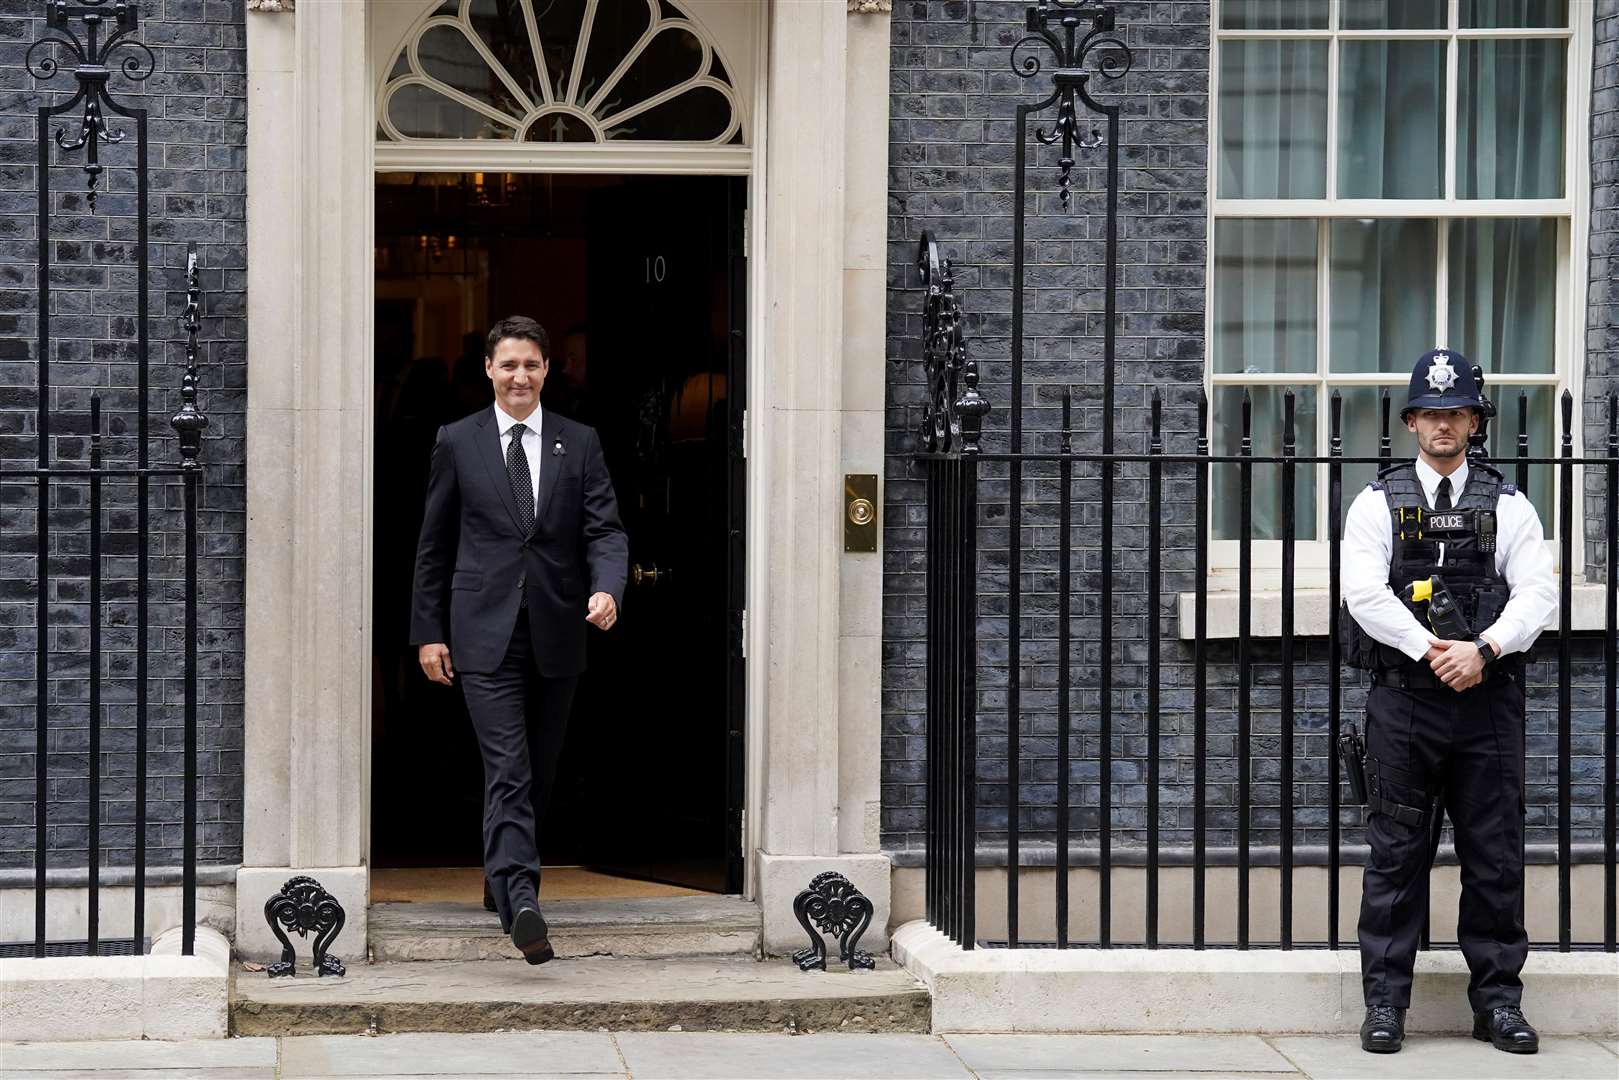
(1056, 24)
(954, 416)
(834, 905)
(90, 55)
(190, 421)
(304, 906)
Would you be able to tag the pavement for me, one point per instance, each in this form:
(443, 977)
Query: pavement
(585, 1055)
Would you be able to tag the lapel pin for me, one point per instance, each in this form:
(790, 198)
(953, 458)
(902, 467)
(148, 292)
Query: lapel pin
(557, 449)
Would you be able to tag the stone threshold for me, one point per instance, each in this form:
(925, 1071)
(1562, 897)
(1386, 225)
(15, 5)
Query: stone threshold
(1262, 991)
(641, 927)
(622, 994)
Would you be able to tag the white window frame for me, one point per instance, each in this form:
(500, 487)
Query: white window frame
(1572, 211)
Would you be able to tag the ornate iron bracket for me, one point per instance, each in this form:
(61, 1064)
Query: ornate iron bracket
(190, 421)
(954, 418)
(837, 907)
(303, 905)
(92, 72)
(1056, 24)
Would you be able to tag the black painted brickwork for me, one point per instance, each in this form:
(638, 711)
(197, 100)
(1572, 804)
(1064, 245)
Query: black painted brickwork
(951, 152)
(197, 103)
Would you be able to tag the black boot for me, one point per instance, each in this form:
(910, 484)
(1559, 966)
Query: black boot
(531, 936)
(1505, 1027)
(1383, 1030)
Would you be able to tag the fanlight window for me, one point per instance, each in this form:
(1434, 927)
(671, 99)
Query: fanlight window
(559, 71)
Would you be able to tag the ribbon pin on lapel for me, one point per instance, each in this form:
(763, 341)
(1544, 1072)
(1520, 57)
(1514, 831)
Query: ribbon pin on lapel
(557, 449)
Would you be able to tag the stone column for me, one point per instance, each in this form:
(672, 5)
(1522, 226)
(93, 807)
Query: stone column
(823, 371)
(308, 670)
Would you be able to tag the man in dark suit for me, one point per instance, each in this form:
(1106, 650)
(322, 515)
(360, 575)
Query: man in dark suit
(521, 546)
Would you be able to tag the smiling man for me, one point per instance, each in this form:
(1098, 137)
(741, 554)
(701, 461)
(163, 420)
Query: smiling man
(521, 550)
(1447, 579)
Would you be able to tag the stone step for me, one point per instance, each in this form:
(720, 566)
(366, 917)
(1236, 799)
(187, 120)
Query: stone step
(600, 992)
(645, 927)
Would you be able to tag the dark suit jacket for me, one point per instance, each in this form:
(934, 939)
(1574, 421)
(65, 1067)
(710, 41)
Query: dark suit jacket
(473, 562)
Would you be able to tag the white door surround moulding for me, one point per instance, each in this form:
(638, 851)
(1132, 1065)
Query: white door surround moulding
(312, 164)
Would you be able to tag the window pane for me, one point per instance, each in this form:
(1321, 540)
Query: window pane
(1382, 288)
(1273, 15)
(1503, 292)
(1273, 119)
(1544, 434)
(1391, 97)
(1267, 437)
(1498, 13)
(1264, 295)
(422, 113)
(1509, 137)
(1392, 14)
(1361, 430)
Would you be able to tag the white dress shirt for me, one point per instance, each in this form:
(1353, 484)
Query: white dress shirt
(531, 443)
(1521, 557)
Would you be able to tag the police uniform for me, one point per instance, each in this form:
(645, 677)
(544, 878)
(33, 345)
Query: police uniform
(1465, 552)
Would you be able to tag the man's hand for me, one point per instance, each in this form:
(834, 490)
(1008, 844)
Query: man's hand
(603, 612)
(435, 661)
(1457, 663)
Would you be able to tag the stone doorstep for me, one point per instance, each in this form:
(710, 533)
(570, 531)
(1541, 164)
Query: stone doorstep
(587, 994)
(644, 927)
(1263, 991)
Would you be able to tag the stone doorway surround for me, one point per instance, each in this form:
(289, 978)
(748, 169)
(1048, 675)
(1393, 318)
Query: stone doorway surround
(817, 240)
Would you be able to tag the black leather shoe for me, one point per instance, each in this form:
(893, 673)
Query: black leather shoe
(488, 897)
(531, 936)
(1506, 1029)
(1383, 1030)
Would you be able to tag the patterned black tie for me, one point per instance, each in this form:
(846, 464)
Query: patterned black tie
(522, 483)
(1441, 497)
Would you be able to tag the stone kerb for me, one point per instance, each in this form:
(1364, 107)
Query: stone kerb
(1308, 991)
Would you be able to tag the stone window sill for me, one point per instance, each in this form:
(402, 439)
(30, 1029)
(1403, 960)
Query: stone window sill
(1311, 614)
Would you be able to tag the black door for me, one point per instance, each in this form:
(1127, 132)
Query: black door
(655, 758)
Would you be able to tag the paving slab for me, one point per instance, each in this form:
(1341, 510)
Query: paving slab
(517, 1053)
(1611, 1044)
(581, 995)
(1463, 1058)
(1044, 1074)
(1086, 1055)
(133, 1055)
(267, 1073)
(714, 1056)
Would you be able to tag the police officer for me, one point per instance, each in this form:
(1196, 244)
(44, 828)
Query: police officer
(1447, 579)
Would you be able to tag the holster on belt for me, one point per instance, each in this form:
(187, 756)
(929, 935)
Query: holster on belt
(1352, 756)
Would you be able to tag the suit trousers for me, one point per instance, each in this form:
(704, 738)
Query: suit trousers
(1469, 748)
(520, 718)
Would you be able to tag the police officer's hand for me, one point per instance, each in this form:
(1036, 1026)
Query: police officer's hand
(1458, 663)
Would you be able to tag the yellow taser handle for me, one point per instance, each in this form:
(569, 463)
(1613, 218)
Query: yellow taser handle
(1421, 590)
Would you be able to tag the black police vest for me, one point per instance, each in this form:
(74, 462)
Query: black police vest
(1468, 533)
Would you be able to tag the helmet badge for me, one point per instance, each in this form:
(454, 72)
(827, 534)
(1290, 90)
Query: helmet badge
(1441, 376)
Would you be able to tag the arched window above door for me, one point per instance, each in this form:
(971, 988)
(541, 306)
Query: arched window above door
(559, 71)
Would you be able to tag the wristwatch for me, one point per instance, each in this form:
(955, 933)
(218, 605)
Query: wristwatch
(1485, 649)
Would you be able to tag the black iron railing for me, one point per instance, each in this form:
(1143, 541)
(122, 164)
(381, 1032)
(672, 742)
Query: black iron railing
(94, 41)
(959, 719)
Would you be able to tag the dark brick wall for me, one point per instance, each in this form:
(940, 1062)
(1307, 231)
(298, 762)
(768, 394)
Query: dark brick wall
(196, 98)
(951, 152)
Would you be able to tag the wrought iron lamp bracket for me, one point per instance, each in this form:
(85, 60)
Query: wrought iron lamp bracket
(1057, 24)
(90, 56)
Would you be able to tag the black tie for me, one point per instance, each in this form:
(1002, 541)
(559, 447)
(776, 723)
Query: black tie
(1441, 497)
(522, 484)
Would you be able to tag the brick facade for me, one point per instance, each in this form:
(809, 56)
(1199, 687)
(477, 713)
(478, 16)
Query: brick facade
(196, 98)
(951, 156)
